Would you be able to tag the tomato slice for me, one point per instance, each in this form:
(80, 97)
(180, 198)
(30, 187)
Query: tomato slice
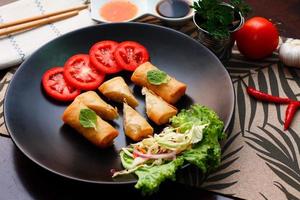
(79, 73)
(101, 56)
(129, 55)
(56, 87)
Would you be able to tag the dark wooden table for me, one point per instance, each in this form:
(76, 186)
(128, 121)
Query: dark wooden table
(21, 179)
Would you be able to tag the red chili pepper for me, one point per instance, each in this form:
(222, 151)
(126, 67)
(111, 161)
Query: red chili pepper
(290, 112)
(266, 97)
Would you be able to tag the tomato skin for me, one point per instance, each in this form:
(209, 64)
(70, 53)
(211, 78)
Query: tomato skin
(102, 56)
(257, 39)
(129, 55)
(81, 74)
(53, 74)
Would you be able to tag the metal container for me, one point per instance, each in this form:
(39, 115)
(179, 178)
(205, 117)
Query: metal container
(222, 48)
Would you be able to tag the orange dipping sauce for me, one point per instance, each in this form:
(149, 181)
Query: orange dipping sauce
(117, 11)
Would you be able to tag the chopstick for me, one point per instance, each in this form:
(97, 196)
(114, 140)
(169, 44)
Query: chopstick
(36, 21)
(29, 19)
(32, 24)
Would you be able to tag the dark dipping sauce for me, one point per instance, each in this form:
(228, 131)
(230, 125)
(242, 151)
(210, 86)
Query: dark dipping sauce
(173, 8)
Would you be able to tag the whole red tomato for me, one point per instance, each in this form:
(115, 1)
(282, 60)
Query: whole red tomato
(257, 39)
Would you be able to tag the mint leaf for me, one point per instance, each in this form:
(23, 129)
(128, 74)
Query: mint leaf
(157, 77)
(88, 118)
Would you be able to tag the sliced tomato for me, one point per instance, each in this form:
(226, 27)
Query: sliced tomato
(81, 74)
(56, 87)
(101, 56)
(129, 55)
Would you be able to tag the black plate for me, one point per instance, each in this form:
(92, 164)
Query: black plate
(34, 121)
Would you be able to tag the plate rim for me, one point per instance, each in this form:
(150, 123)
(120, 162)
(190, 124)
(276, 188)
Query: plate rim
(20, 68)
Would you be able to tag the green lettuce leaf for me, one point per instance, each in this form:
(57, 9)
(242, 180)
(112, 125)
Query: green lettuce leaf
(206, 157)
(126, 160)
(206, 154)
(199, 115)
(149, 178)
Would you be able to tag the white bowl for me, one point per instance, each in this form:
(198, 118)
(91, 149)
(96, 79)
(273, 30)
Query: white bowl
(145, 8)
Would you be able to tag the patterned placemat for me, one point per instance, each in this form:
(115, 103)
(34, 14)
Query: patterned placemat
(260, 160)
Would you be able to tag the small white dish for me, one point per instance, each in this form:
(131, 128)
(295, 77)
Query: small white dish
(145, 8)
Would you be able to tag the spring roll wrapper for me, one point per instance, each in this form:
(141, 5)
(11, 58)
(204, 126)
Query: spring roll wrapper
(158, 110)
(135, 126)
(93, 101)
(117, 90)
(171, 91)
(102, 136)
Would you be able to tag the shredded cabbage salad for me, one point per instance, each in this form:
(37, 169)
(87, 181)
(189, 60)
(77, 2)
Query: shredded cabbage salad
(193, 136)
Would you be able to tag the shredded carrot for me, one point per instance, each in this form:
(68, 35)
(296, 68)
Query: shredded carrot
(140, 149)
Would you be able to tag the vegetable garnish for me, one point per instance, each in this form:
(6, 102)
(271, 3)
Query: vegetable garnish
(129, 55)
(102, 56)
(193, 137)
(81, 74)
(157, 77)
(88, 118)
(56, 87)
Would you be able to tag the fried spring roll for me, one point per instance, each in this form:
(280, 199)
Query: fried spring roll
(92, 100)
(171, 91)
(101, 136)
(158, 110)
(117, 90)
(135, 126)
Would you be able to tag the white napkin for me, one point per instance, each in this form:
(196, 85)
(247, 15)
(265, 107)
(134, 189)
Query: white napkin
(14, 49)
